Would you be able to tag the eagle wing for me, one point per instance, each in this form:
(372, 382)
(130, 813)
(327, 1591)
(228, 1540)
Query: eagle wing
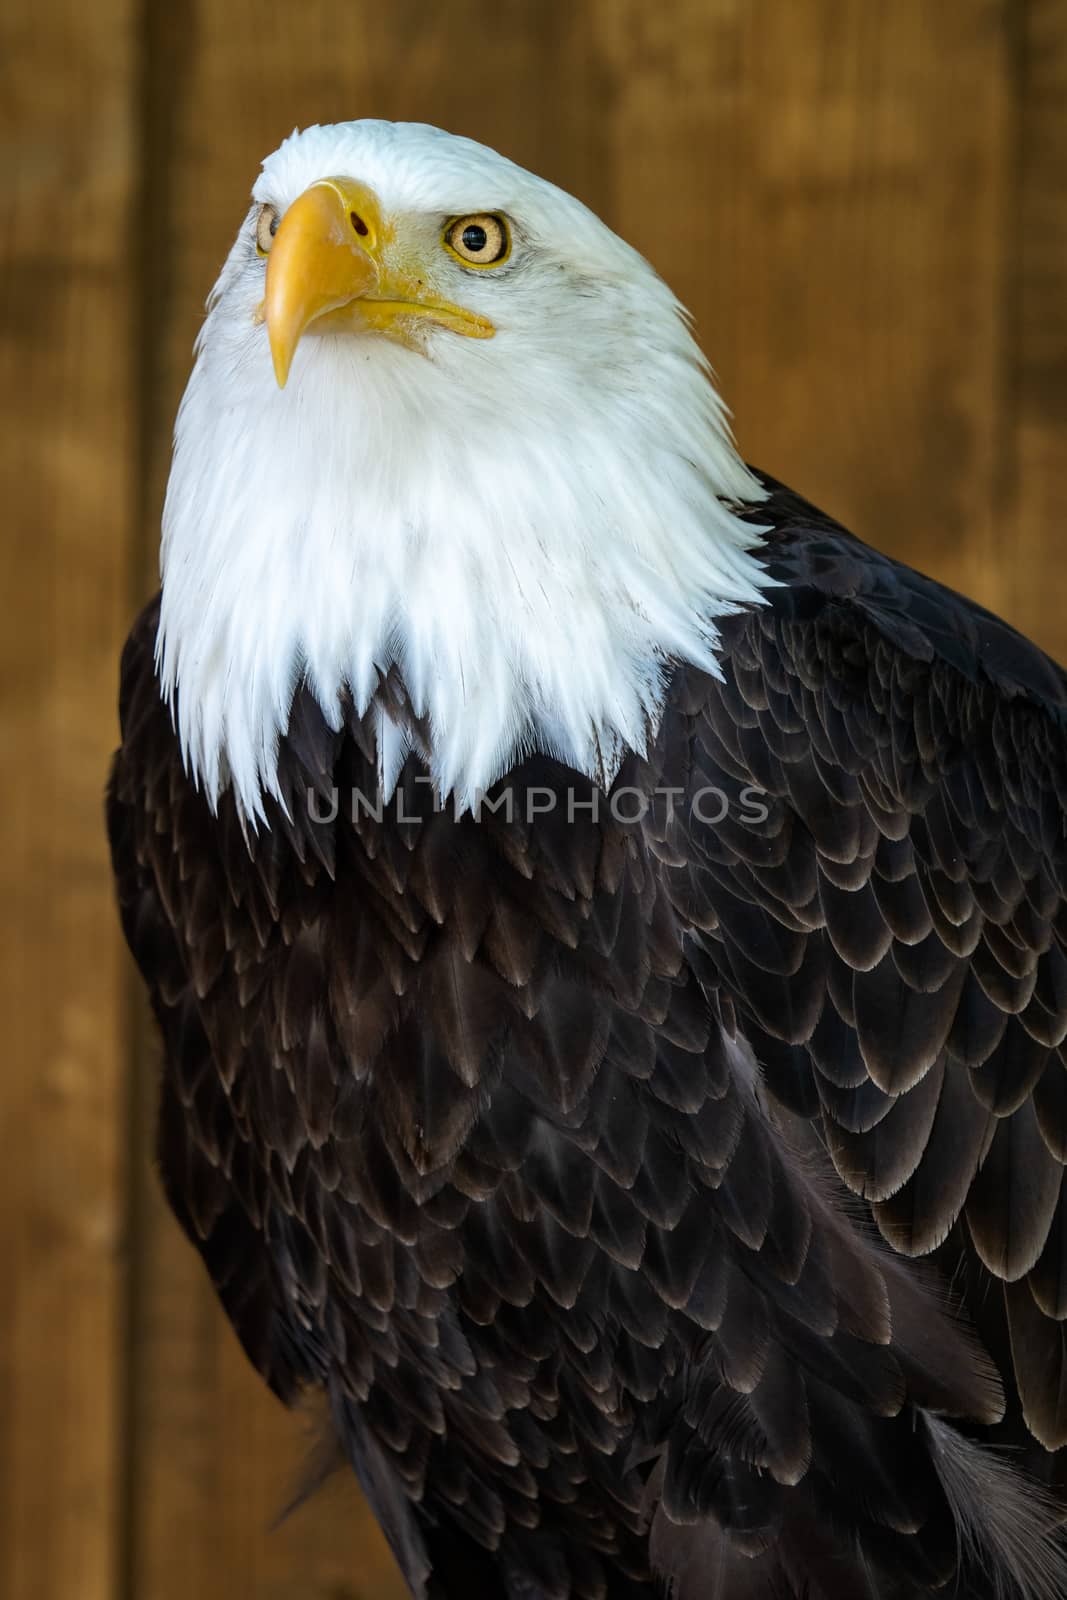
(173, 921)
(201, 899)
(892, 932)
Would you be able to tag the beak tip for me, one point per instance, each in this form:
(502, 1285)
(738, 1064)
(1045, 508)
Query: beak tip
(280, 362)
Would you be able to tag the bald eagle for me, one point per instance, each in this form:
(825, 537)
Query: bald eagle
(606, 926)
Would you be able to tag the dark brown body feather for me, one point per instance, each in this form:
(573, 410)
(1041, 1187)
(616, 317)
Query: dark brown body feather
(466, 1120)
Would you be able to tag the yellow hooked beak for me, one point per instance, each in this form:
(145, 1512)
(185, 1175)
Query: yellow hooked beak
(335, 264)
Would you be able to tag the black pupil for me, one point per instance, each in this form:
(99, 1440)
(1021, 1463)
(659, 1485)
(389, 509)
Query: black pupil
(475, 238)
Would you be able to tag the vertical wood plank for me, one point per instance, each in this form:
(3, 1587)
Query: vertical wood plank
(825, 186)
(64, 463)
(1032, 534)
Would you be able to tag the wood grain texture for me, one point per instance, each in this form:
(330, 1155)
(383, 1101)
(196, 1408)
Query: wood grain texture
(1032, 546)
(825, 186)
(64, 463)
(861, 204)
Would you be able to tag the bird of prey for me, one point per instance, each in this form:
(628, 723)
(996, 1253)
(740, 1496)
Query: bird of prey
(605, 924)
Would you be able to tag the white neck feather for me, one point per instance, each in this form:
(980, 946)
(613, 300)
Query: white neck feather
(530, 559)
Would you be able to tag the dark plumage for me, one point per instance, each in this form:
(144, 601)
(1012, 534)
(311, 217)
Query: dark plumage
(578, 1162)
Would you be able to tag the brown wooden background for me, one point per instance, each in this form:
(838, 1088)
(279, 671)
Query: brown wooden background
(863, 203)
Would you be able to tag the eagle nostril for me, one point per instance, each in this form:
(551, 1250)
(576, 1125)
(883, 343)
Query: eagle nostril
(359, 225)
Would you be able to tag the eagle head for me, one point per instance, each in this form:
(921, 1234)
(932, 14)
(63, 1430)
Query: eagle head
(443, 420)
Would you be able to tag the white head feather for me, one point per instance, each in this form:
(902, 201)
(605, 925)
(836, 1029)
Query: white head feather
(530, 526)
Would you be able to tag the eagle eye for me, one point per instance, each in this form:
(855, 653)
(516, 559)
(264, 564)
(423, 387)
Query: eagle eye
(266, 228)
(483, 240)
